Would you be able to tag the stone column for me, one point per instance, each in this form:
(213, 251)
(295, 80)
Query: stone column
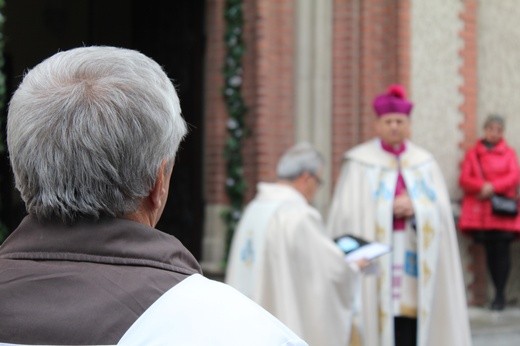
(313, 83)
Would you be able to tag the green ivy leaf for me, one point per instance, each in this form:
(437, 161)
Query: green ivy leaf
(233, 74)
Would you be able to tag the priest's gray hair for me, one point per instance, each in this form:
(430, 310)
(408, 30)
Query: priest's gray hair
(300, 158)
(87, 131)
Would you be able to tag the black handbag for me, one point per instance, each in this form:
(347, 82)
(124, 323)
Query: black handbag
(501, 205)
(504, 206)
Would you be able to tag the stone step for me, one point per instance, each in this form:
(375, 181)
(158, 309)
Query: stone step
(497, 328)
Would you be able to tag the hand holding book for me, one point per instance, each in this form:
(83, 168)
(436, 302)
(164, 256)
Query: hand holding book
(356, 248)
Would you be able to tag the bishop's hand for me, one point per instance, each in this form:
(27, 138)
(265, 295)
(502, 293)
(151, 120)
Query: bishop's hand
(403, 206)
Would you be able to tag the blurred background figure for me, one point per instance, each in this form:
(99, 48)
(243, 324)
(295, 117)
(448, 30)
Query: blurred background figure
(393, 191)
(491, 167)
(281, 258)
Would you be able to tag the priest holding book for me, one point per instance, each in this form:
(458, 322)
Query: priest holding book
(281, 258)
(393, 192)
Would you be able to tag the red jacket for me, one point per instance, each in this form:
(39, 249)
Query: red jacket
(500, 167)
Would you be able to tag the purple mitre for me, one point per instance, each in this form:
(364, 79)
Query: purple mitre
(393, 101)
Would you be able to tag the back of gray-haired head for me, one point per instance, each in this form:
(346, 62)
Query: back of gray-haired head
(495, 119)
(300, 158)
(87, 131)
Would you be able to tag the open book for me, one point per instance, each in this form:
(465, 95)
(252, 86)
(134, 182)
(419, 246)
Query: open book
(356, 248)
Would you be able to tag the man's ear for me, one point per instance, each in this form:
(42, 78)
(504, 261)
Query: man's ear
(305, 176)
(300, 183)
(160, 188)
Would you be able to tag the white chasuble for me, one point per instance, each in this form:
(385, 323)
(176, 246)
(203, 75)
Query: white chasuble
(300, 275)
(247, 249)
(363, 203)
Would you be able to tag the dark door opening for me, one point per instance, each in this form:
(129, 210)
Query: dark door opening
(171, 32)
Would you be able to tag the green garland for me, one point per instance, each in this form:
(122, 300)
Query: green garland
(3, 230)
(233, 76)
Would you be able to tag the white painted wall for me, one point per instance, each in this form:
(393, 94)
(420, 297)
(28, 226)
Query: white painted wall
(435, 82)
(499, 64)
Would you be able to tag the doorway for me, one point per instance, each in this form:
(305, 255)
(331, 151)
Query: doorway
(170, 32)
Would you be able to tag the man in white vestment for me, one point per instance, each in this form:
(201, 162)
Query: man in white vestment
(392, 191)
(282, 259)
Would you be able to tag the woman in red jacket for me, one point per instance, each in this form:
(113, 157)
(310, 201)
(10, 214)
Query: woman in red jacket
(491, 167)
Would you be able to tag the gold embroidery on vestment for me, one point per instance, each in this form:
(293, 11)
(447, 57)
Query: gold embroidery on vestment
(380, 283)
(408, 311)
(424, 314)
(428, 232)
(355, 336)
(380, 233)
(382, 320)
(426, 271)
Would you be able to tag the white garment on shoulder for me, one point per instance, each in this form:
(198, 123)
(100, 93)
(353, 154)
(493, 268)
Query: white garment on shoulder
(199, 311)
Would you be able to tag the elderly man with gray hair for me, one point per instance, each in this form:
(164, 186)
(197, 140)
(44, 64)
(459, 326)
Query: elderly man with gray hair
(92, 136)
(281, 258)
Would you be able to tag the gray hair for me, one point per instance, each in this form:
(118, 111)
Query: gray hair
(300, 158)
(494, 118)
(87, 131)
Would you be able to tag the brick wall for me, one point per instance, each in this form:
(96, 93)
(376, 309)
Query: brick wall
(271, 115)
(215, 114)
(346, 99)
(468, 72)
(370, 51)
(371, 41)
(403, 43)
(268, 90)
